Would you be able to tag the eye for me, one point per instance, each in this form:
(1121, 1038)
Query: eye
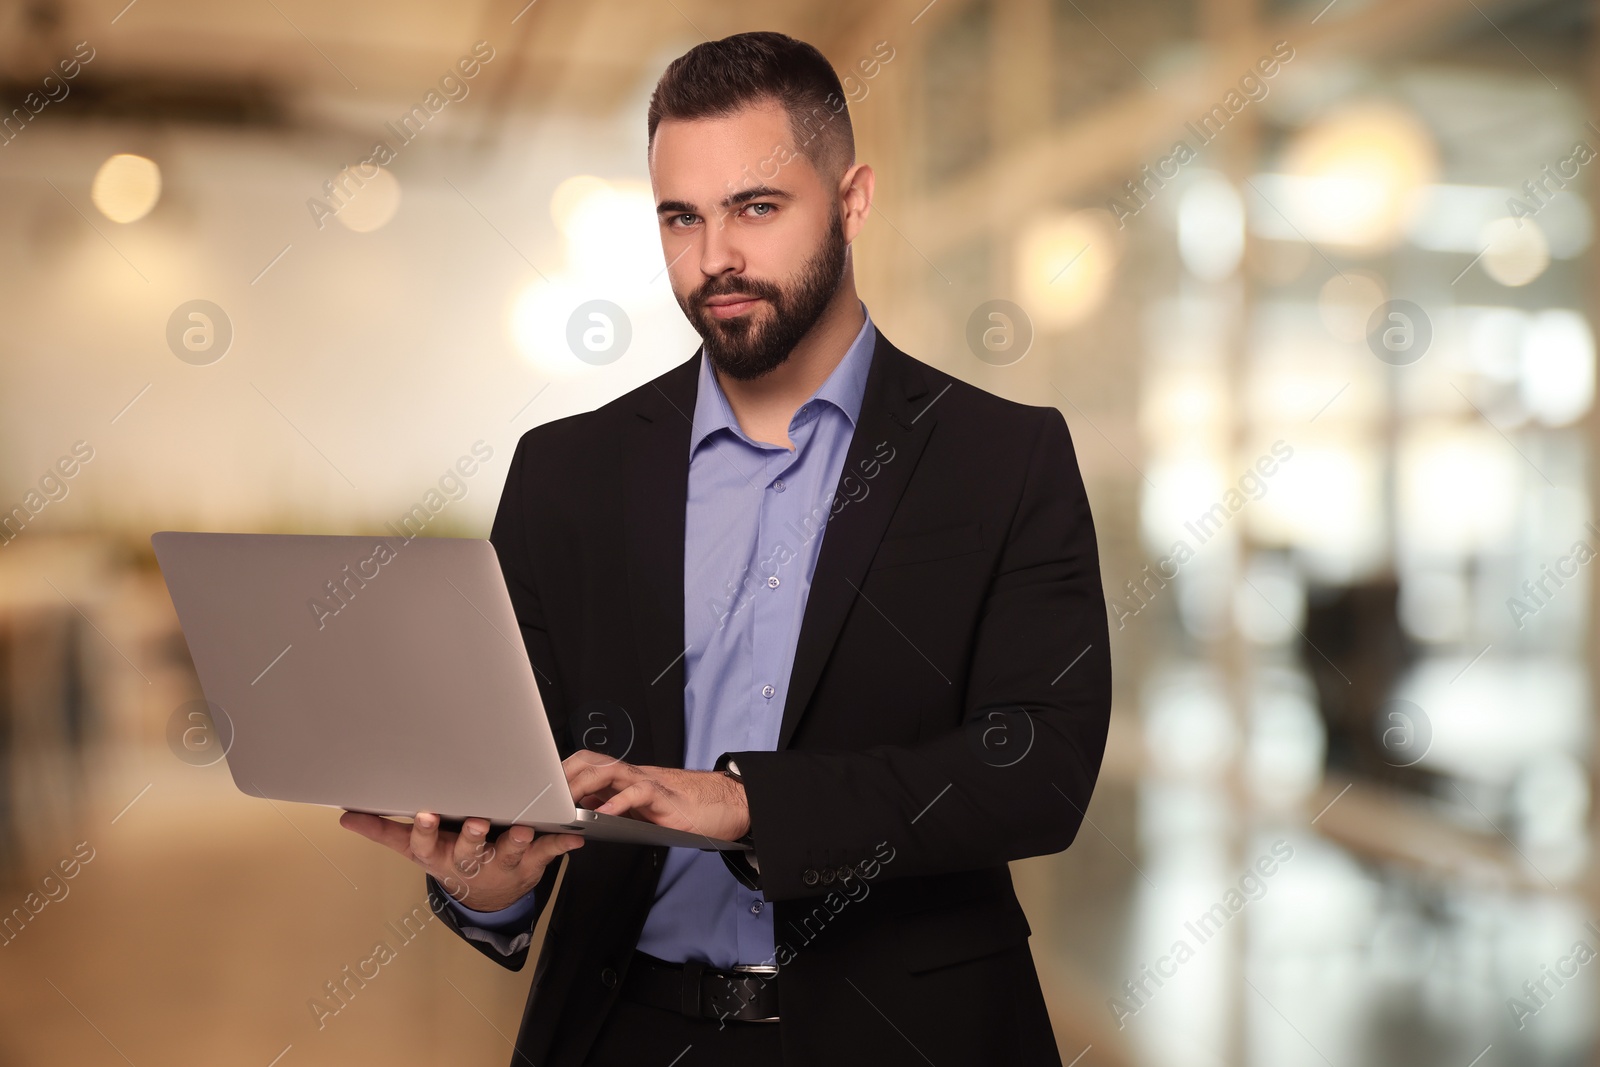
(681, 220)
(761, 211)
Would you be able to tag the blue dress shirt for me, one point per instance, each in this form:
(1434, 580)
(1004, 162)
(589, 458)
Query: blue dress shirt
(754, 521)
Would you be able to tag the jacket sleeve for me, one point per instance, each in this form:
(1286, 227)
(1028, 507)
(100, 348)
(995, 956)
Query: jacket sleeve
(507, 941)
(506, 929)
(507, 944)
(1014, 778)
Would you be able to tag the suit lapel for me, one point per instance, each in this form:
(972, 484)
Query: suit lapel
(896, 414)
(896, 419)
(656, 492)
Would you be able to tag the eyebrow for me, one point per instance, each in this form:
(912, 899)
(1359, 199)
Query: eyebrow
(743, 196)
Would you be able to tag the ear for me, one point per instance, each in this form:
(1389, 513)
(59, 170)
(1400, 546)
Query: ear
(855, 198)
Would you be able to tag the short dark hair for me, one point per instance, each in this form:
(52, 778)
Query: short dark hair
(720, 77)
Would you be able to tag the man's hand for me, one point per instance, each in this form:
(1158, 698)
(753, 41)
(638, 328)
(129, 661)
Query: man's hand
(483, 877)
(703, 802)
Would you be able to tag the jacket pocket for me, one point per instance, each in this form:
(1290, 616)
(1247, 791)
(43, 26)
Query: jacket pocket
(965, 931)
(928, 545)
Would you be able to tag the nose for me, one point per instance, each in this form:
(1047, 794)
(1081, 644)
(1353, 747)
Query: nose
(719, 252)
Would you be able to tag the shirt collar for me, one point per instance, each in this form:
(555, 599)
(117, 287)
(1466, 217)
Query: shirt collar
(844, 388)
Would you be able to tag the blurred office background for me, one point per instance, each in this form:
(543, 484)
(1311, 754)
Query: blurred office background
(1309, 280)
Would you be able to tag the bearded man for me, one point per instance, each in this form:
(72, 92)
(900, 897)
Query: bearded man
(817, 596)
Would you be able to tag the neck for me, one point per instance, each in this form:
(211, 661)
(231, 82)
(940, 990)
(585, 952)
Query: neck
(765, 406)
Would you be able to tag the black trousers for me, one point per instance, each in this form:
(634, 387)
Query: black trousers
(638, 1034)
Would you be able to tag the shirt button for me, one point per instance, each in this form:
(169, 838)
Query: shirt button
(779, 486)
(772, 581)
(767, 691)
(755, 909)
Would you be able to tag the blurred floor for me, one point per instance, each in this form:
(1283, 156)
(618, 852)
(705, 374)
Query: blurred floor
(207, 921)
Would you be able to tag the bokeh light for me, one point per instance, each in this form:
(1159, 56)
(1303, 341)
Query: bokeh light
(373, 205)
(571, 194)
(1361, 169)
(1064, 266)
(1557, 372)
(1516, 251)
(1211, 227)
(126, 187)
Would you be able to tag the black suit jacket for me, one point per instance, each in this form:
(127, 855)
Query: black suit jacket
(947, 711)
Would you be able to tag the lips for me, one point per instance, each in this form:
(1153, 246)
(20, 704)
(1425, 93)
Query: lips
(730, 305)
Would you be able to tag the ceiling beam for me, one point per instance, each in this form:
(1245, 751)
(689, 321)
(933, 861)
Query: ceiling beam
(1107, 145)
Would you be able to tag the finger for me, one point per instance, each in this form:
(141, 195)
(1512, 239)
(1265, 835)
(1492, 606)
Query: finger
(424, 832)
(583, 791)
(584, 779)
(547, 848)
(424, 838)
(587, 757)
(591, 772)
(576, 768)
(512, 845)
(573, 763)
(386, 832)
(470, 852)
(639, 797)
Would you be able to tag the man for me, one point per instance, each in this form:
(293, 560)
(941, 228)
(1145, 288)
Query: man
(801, 590)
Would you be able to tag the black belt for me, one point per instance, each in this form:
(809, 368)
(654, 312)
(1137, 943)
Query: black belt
(746, 993)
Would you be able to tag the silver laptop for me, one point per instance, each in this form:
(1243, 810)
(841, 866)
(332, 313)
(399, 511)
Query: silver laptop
(377, 674)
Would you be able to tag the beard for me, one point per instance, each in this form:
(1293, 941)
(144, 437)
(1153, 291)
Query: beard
(744, 348)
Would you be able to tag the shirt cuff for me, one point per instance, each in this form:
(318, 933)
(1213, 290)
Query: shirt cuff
(511, 915)
(495, 928)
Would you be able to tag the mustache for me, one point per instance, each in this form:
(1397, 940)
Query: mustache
(728, 285)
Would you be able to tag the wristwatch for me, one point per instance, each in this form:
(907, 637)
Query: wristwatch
(728, 767)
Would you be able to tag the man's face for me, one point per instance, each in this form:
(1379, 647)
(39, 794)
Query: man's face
(752, 234)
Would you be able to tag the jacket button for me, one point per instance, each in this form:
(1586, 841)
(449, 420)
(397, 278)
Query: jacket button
(828, 875)
(608, 978)
(845, 873)
(809, 876)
